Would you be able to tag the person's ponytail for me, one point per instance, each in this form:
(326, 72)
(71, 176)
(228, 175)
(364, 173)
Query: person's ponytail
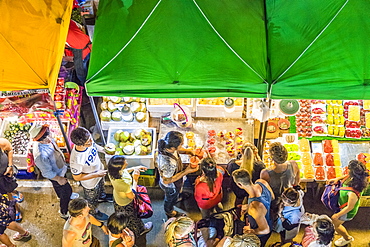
(161, 146)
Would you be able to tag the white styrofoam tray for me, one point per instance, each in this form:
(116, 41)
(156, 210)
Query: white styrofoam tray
(134, 160)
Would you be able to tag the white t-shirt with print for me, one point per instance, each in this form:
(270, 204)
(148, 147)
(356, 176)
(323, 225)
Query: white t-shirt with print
(87, 161)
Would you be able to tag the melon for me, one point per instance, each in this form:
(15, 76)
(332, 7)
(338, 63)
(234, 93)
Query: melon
(110, 148)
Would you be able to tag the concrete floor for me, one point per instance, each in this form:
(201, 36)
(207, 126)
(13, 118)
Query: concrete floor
(40, 216)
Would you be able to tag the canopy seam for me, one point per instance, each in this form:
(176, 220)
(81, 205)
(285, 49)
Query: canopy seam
(45, 82)
(124, 47)
(227, 44)
(313, 41)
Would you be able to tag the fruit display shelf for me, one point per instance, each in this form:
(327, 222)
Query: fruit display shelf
(17, 134)
(144, 157)
(157, 107)
(214, 107)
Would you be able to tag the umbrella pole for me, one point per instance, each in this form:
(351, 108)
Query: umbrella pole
(56, 114)
(262, 134)
(93, 107)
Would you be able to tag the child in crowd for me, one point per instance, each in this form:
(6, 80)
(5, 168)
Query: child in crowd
(320, 233)
(290, 212)
(179, 232)
(120, 235)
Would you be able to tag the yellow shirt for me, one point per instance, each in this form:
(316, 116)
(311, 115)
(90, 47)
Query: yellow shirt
(124, 184)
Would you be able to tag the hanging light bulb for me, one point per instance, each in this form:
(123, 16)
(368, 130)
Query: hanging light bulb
(229, 105)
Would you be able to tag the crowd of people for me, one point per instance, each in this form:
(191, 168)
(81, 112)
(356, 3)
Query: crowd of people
(270, 199)
(266, 199)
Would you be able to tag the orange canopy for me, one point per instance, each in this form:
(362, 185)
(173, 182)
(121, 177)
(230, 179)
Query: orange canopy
(32, 39)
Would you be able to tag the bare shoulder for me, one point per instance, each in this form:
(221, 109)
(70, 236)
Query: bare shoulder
(263, 181)
(265, 175)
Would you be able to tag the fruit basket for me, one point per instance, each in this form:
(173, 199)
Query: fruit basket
(136, 144)
(121, 112)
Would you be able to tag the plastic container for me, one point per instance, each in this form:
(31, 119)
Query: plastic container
(147, 180)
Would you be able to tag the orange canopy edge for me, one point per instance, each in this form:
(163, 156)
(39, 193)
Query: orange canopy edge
(32, 39)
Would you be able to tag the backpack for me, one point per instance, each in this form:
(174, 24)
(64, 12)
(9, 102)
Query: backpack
(330, 196)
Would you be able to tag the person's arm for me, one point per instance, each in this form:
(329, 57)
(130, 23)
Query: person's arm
(186, 151)
(43, 163)
(87, 176)
(352, 199)
(297, 175)
(140, 168)
(68, 238)
(99, 148)
(257, 210)
(179, 175)
(6, 146)
(265, 175)
(335, 180)
(98, 223)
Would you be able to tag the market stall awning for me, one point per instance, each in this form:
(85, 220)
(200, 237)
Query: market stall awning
(319, 49)
(178, 49)
(32, 39)
(256, 48)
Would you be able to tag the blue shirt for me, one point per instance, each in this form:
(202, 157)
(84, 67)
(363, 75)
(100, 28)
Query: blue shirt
(48, 160)
(265, 199)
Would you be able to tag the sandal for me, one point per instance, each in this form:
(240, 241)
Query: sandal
(18, 197)
(18, 216)
(175, 214)
(25, 237)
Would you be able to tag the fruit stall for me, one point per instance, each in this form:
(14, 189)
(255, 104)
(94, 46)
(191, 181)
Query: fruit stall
(324, 135)
(204, 122)
(20, 109)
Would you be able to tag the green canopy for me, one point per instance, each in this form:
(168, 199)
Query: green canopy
(238, 48)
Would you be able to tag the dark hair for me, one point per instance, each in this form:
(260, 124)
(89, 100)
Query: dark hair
(325, 230)
(278, 153)
(115, 165)
(242, 176)
(117, 222)
(172, 139)
(291, 194)
(258, 166)
(358, 174)
(208, 166)
(79, 136)
(43, 137)
(76, 206)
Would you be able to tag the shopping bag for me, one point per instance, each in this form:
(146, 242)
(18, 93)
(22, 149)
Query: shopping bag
(330, 196)
(142, 202)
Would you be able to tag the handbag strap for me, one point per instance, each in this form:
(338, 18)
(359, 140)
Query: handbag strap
(138, 196)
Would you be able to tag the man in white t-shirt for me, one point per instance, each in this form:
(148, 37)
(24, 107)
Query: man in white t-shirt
(87, 168)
